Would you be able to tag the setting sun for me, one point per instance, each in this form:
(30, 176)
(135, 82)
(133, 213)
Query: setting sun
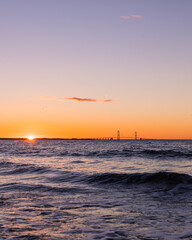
(30, 137)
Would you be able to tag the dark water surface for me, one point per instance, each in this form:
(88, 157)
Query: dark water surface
(89, 189)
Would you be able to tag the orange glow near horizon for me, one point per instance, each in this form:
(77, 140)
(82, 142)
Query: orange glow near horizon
(30, 137)
(95, 127)
(96, 121)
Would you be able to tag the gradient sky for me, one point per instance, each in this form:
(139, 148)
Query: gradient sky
(86, 68)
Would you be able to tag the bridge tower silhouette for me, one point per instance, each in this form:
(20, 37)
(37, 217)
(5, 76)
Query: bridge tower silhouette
(118, 135)
(135, 135)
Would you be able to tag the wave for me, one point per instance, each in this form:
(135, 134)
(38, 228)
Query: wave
(28, 169)
(134, 153)
(21, 187)
(126, 152)
(4, 164)
(167, 153)
(166, 178)
(131, 153)
(9, 168)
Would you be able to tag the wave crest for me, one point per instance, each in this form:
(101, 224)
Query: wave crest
(168, 178)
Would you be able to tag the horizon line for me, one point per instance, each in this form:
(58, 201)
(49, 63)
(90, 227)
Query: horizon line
(89, 138)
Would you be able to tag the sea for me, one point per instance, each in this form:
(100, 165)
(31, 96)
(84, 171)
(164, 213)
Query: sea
(96, 189)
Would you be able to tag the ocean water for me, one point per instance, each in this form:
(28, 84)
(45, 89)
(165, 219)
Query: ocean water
(94, 189)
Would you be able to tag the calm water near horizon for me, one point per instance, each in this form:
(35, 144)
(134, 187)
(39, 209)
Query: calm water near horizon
(96, 189)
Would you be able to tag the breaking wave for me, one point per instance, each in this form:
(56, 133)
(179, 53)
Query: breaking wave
(167, 178)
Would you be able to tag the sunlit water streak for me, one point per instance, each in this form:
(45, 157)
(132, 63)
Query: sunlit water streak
(83, 189)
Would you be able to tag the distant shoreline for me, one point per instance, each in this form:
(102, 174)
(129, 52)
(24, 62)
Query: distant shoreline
(100, 139)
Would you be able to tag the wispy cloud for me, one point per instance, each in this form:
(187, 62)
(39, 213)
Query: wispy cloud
(77, 99)
(81, 99)
(131, 16)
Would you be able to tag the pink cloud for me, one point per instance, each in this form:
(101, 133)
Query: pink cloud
(77, 99)
(81, 99)
(131, 16)
(107, 100)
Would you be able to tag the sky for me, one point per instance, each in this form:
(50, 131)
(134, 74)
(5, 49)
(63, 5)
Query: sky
(88, 68)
